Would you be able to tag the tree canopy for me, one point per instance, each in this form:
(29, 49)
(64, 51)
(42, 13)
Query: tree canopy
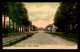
(18, 13)
(5, 8)
(66, 15)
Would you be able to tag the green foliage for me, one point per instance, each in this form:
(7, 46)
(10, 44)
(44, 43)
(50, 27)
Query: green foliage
(66, 15)
(5, 8)
(34, 27)
(14, 12)
(18, 13)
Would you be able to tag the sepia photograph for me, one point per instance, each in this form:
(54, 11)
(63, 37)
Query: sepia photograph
(39, 25)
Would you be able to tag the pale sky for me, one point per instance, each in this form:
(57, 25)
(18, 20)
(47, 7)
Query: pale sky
(41, 13)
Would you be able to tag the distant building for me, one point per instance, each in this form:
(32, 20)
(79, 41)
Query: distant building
(40, 28)
(54, 28)
(51, 28)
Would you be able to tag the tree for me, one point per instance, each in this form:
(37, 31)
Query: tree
(66, 16)
(18, 13)
(4, 11)
(34, 28)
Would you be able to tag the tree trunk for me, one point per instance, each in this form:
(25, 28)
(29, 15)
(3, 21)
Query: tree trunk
(13, 26)
(69, 27)
(4, 24)
(73, 30)
(9, 25)
(16, 27)
(20, 29)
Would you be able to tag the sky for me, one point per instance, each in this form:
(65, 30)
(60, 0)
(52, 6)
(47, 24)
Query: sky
(41, 13)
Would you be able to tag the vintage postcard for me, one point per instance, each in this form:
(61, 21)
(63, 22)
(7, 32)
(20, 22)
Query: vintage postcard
(39, 25)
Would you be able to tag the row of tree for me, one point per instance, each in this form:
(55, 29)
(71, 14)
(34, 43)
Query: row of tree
(66, 18)
(17, 13)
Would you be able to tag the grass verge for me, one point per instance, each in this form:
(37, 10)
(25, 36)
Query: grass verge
(18, 40)
(71, 37)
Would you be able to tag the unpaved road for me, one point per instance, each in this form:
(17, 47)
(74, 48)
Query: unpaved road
(42, 40)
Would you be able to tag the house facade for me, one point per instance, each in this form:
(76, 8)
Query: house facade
(51, 28)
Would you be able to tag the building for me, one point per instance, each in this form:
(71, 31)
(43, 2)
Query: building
(51, 28)
(54, 28)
